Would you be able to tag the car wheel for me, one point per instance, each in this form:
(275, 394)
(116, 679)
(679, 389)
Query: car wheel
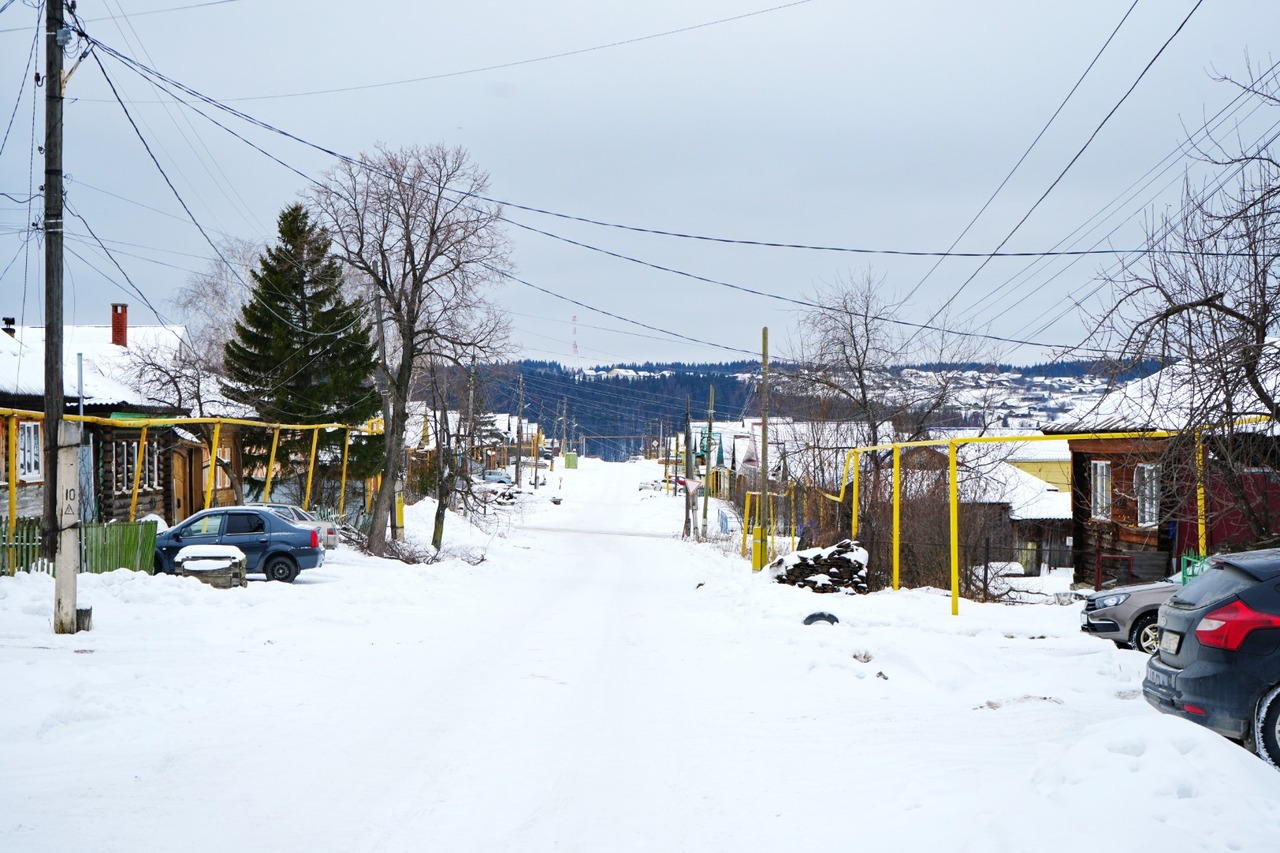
(1144, 635)
(158, 567)
(280, 569)
(1266, 727)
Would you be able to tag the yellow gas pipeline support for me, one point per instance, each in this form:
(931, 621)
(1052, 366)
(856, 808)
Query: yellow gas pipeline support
(311, 467)
(139, 462)
(213, 463)
(342, 495)
(897, 513)
(955, 527)
(271, 464)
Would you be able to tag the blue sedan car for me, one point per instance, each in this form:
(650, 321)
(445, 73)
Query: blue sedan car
(271, 545)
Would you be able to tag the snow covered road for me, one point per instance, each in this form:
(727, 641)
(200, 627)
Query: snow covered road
(588, 693)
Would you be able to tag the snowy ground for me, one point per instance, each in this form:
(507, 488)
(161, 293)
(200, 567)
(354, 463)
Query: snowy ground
(594, 684)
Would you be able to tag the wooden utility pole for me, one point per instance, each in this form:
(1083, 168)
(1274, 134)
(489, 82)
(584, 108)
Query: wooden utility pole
(688, 473)
(765, 510)
(706, 483)
(520, 429)
(60, 542)
(564, 427)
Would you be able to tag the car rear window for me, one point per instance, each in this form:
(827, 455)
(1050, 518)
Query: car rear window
(1214, 584)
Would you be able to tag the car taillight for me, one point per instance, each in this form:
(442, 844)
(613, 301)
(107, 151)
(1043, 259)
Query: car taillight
(315, 538)
(1227, 627)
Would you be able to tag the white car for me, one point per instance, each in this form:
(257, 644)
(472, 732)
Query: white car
(327, 529)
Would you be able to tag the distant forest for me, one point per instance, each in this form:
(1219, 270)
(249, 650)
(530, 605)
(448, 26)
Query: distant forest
(621, 416)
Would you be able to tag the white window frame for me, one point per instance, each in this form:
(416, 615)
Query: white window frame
(221, 480)
(124, 459)
(1146, 493)
(30, 462)
(1100, 489)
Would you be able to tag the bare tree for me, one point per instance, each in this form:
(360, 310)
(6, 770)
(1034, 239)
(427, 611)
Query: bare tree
(854, 359)
(412, 226)
(187, 377)
(1203, 304)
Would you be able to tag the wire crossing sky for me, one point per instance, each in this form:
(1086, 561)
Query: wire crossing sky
(691, 171)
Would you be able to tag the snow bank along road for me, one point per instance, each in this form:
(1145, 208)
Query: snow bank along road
(588, 693)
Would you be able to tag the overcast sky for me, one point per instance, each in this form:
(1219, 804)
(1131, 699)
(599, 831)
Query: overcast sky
(829, 122)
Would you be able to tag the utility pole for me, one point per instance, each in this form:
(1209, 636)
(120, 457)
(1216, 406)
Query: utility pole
(688, 472)
(564, 428)
(761, 554)
(520, 429)
(706, 483)
(662, 448)
(537, 447)
(471, 413)
(60, 540)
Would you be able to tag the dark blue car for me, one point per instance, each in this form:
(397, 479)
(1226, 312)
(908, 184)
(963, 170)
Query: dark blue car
(271, 545)
(1218, 658)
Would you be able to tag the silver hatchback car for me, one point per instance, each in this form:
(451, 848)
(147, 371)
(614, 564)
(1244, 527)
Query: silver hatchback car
(1127, 615)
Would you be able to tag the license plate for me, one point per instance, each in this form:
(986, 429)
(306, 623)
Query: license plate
(1169, 641)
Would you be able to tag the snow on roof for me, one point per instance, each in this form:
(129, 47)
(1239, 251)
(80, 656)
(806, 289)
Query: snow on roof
(1040, 450)
(1167, 399)
(107, 371)
(1028, 496)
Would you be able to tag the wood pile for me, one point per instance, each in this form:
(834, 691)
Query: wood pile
(842, 567)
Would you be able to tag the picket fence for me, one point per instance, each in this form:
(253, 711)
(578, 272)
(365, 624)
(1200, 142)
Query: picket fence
(103, 547)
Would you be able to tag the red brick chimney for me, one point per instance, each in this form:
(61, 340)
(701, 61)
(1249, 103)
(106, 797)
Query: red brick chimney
(120, 324)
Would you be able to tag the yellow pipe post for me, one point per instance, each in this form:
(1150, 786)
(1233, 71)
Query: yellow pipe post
(342, 493)
(955, 527)
(857, 484)
(311, 467)
(12, 469)
(770, 535)
(1202, 527)
(271, 465)
(897, 513)
(844, 481)
(746, 522)
(138, 462)
(213, 463)
(791, 491)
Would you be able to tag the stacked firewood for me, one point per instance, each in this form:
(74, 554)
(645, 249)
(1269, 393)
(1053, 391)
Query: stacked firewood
(842, 567)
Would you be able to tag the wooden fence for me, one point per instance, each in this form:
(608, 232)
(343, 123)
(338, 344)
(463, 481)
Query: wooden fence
(103, 547)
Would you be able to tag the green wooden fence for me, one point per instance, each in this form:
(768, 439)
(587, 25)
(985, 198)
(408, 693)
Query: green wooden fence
(103, 547)
(23, 549)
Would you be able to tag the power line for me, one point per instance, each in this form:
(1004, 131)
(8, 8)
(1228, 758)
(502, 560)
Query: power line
(191, 215)
(147, 71)
(133, 14)
(521, 62)
(1071, 163)
(143, 69)
(1026, 153)
(116, 263)
(26, 72)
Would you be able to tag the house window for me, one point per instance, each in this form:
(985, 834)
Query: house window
(30, 454)
(124, 462)
(220, 478)
(1101, 498)
(1146, 491)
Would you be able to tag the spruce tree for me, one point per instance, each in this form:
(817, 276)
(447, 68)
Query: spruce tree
(301, 354)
